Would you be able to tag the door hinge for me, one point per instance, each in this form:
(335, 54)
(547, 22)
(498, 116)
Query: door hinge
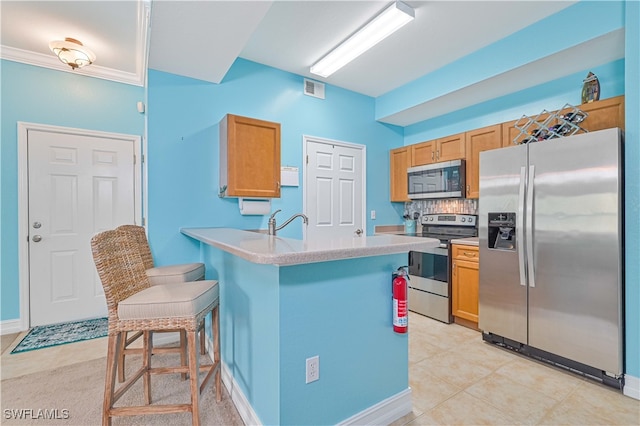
(307, 159)
(144, 221)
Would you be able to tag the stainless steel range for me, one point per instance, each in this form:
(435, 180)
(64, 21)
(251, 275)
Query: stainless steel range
(429, 283)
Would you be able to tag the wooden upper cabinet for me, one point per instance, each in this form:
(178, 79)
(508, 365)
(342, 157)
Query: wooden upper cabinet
(451, 148)
(423, 153)
(443, 149)
(479, 140)
(604, 114)
(400, 161)
(249, 157)
(509, 133)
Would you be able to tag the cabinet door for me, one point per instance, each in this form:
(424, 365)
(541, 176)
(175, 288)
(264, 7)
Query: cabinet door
(423, 153)
(464, 285)
(400, 161)
(450, 148)
(249, 157)
(604, 114)
(477, 141)
(509, 133)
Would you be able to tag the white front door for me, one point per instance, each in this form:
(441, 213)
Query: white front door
(78, 185)
(334, 189)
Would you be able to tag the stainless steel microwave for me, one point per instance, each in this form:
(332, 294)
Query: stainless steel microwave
(438, 180)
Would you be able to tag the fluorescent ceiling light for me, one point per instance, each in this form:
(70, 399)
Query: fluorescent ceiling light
(386, 23)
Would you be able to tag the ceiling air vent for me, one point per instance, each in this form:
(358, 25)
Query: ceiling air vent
(313, 88)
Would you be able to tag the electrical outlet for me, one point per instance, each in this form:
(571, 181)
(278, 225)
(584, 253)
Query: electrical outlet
(373, 215)
(313, 369)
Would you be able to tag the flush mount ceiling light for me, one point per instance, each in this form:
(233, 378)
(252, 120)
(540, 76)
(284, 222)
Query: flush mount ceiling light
(72, 52)
(386, 23)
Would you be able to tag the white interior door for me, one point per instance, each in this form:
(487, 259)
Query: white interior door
(78, 185)
(334, 189)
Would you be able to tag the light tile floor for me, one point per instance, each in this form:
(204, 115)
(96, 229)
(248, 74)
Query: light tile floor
(455, 378)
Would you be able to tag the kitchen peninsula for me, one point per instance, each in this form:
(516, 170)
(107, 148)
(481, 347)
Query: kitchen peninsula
(283, 301)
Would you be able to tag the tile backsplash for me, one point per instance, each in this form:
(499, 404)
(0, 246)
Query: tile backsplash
(463, 206)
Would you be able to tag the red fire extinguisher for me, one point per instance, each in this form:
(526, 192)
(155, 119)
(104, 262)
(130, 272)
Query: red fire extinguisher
(400, 313)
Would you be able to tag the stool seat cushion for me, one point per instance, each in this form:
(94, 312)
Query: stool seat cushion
(176, 273)
(169, 300)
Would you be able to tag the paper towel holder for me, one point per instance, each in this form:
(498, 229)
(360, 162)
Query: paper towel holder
(254, 206)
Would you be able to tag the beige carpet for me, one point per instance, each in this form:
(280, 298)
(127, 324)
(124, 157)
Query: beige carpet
(78, 389)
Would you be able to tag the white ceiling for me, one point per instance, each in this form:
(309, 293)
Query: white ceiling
(201, 39)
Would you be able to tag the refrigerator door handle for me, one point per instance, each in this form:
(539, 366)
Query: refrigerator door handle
(529, 228)
(520, 227)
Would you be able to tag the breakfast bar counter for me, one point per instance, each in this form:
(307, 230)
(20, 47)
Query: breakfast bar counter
(283, 301)
(258, 247)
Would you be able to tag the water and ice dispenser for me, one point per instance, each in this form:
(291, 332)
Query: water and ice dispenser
(502, 231)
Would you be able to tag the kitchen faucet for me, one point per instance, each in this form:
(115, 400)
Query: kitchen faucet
(272, 222)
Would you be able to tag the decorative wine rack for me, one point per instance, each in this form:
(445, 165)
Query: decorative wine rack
(550, 125)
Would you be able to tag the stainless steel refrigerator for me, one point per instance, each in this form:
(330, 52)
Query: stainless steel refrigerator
(551, 251)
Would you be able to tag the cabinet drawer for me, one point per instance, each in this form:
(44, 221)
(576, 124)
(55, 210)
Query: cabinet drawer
(461, 252)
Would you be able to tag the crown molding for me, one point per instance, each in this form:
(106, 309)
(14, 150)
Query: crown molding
(136, 78)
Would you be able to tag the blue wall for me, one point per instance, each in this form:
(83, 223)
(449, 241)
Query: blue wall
(560, 31)
(550, 96)
(273, 318)
(39, 95)
(632, 187)
(183, 148)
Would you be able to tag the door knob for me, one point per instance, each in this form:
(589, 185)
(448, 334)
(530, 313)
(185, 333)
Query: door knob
(37, 225)
(37, 238)
(358, 232)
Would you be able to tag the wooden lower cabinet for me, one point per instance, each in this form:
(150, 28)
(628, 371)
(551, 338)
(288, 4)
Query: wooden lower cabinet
(464, 284)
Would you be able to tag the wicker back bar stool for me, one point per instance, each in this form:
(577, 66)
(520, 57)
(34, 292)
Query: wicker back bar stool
(184, 272)
(134, 305)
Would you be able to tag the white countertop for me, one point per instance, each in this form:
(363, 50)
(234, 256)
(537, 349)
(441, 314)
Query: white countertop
(268, 249)
(472, 241)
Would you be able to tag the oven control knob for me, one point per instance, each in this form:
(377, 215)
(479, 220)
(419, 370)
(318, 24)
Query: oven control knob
(431, 219)
(464, 219)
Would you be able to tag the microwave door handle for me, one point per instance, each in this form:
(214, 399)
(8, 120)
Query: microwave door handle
(520, 227)
(529, 228)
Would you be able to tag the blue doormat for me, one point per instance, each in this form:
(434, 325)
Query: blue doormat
(43, 336)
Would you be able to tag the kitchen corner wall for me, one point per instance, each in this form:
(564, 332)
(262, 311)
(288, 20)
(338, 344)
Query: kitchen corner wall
(183, 149)
(39, 95)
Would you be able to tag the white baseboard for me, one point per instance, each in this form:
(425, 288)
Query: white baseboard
(631, 386)
(249, 417)
(10, 326)
(384, 412)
